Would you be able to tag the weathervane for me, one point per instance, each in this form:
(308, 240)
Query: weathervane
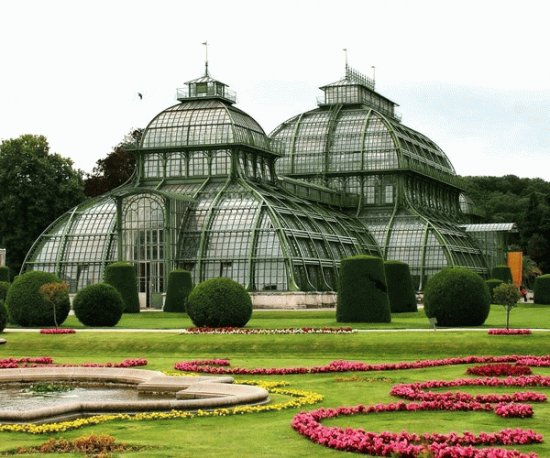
(206, 58)
(346, 56)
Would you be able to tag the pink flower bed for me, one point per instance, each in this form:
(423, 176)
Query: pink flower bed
(233, 330)
(508, 332)
(13, 363)
(495, 370)
(57, 331)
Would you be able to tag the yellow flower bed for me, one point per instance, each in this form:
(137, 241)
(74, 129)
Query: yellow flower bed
(299, 398)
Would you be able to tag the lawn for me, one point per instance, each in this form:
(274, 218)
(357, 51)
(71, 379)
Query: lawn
(270, 434)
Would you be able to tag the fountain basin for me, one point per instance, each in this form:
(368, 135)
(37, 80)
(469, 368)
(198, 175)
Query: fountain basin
(186, 392)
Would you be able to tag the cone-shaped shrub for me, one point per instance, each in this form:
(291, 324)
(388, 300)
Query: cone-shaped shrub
(122, 275)
(542, 290)
(492, 283)
(3, 316)
(400, 289)
(28, 306)
(98, 305)
(219, 302)
(363, 293)
(4, 273)
(457, 296)
(502, 273)
(180, 285)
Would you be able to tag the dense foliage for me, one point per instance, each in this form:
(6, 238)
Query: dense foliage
(502, 273)
(507, 295)
(363, 292)
(492, 283)
(401, 292)
(4, 286)
(122, 275)
(456, 296)
(28, 306)
(180, 285)
(4, 273)
(525, 201)
(219, 302)
(542, 290)
(35, 188)
(98, 305)
(3, 315)
(115, 169)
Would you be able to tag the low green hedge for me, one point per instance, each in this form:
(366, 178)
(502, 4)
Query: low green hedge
(503, 273)
(541, 291)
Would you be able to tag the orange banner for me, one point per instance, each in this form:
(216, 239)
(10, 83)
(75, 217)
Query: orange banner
(515, 262)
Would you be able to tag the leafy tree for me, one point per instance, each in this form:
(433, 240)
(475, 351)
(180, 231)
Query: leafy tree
(115, 169)
(506, 295)
(35, 187)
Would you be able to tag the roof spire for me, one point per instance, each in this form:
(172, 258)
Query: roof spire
(346, 58)
(206, 58)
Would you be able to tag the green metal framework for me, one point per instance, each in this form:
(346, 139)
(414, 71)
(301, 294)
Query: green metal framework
(406, 190)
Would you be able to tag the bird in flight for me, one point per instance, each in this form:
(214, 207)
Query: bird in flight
(140, 95)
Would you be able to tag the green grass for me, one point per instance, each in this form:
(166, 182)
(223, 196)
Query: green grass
(269, 434)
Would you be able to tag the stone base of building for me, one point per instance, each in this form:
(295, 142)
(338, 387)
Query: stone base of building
(293, 300)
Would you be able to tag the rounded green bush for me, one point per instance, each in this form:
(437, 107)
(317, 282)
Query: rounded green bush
(541, 290)
(4, 273)
(3, 316)
(28, 307)
(4, 287)
(363, 293)
(492, 283)
(122, 275)
(219, 302)
(503, 273)
(98, 305)
(457, 296)
(180, 285)
(401, 292)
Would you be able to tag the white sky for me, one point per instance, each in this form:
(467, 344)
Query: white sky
(472, 75)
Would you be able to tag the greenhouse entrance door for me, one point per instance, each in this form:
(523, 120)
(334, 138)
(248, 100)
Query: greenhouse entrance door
(150, 281)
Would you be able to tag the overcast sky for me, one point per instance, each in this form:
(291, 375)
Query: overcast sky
(474, 76)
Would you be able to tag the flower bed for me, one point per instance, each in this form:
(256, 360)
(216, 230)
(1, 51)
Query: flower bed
(496, 370)
(13, 363)
(233, 330)
(57, 331)
(508, 332)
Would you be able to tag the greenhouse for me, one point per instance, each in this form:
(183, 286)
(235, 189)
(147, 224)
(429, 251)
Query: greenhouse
(205, 197)
(408, 193)
(213, 194)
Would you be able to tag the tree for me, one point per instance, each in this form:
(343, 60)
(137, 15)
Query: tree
(506, 295)
(35, 188)
(115, 169)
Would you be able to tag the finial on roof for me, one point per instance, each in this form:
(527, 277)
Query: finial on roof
(206, 58)
(373, 75)
(346, 58)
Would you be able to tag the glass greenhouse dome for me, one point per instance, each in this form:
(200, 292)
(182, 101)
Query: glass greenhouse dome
(205, 197)
(408, 194)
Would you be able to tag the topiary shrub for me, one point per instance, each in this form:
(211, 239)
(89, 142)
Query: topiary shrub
(4, 274)
(492, 283)
(122, 275)
(457, 296)
(401, 293)
(542, 290)
(180, 285)
(4, 287)
(27, 306)
(503, 273)
(3, 315)
(98, 305)
(363, 293)
(219, 302)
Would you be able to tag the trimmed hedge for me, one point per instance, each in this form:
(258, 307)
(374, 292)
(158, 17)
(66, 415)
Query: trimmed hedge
(401, 293)
(503, 273)
(457, 296)
(180, 285)
(542, 290)
(28, 307)
(219, 302)
(363, 292)
(492, 283)
(3, 315)
(98, 305)
(122, 275)
(4, 274)
(4, 287)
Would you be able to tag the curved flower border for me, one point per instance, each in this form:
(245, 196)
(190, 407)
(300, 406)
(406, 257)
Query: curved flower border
(57, 331)
(508, 332)
(305, 330)
(299, 399)
(496, 370)
(41, 361)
